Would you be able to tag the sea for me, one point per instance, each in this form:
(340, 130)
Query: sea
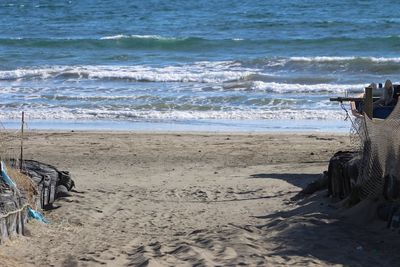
(177, 65)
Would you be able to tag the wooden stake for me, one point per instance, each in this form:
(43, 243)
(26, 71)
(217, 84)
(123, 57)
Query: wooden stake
(22, 141)
(368, 102)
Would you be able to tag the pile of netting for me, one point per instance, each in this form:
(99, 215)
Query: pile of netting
(379, 165)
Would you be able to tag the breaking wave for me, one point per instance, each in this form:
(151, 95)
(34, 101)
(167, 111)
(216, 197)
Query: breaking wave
(202, 72)
(344, 59)
(306, 88)
(224, 76)
(151, 115)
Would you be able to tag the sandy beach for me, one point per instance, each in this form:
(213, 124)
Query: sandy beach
(193, 199)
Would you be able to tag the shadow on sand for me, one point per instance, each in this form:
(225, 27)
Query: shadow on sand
(309, 232)
(298, 179)
(315, 228)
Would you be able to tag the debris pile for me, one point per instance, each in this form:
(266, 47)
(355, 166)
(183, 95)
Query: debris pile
(24, 194)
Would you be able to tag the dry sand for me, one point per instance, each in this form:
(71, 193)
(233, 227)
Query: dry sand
(194, 199)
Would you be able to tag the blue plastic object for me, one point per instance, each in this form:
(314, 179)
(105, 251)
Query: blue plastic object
(37, 215)
(5, 176)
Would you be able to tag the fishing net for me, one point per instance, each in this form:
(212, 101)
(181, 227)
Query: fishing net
(355, 139)
(379, 170)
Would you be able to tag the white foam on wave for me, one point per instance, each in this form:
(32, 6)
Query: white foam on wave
(43, 73)
(351, 58)
(173, 115)
(123, 36)
(306, 88)
(203, 72)
(114, 37)
(155, 37)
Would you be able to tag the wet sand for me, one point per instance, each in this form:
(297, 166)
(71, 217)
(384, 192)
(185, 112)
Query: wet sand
(184, 199)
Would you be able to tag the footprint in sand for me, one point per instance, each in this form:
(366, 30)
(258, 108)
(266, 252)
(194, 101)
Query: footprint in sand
(200, 194)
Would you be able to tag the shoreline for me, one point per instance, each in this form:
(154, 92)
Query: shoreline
(172, 132)
(223, 126)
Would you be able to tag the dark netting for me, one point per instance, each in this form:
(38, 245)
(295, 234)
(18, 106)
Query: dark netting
(380, 150)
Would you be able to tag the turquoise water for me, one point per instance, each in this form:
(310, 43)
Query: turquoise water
(190, 65)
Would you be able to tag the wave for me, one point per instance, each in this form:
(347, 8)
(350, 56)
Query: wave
(131, 42)
(123, 36)
(306, 88)
(153, 115)
(196, 43)
(319, 66)
(344, 59)
(321, 61)
(202, 72)
(229, 75)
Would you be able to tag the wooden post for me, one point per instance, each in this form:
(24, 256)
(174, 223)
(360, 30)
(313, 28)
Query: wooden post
(368, 102)
(22, 141)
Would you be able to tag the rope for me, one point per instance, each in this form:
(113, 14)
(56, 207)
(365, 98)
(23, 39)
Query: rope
(348, 117)
(14, 211)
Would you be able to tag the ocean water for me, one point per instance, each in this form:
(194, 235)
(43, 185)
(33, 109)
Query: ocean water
(192, 65)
